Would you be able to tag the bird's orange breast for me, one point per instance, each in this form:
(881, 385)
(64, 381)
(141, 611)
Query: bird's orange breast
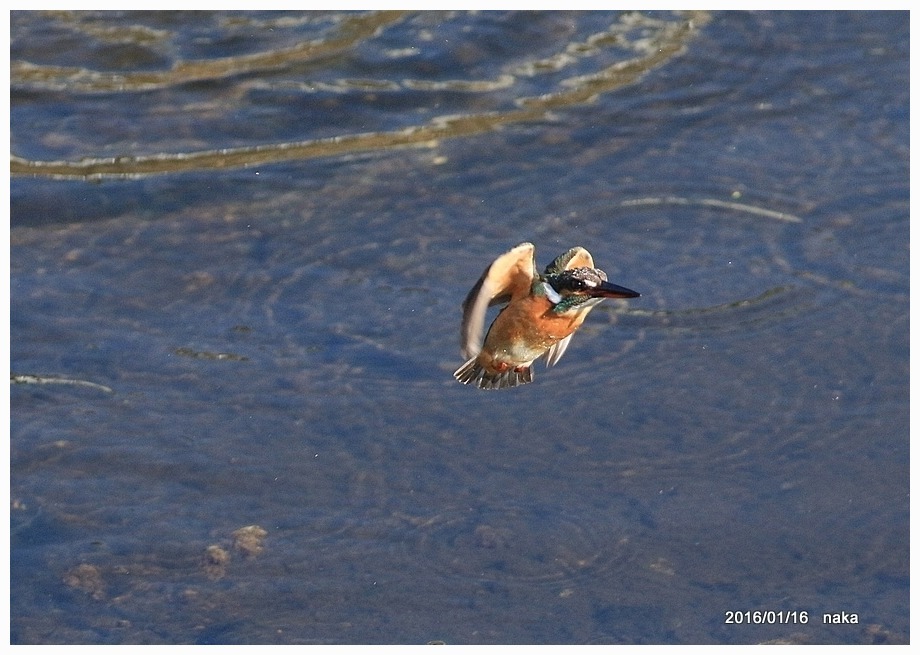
(526, 328)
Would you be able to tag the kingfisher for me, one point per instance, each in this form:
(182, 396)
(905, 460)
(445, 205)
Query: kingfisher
(539, 319)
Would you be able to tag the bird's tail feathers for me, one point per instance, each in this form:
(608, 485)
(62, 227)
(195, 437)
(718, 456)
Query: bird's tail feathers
(473, 373)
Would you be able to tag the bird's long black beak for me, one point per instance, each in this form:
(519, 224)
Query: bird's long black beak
(610, 290)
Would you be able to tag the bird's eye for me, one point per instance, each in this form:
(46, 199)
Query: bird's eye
(581, 279)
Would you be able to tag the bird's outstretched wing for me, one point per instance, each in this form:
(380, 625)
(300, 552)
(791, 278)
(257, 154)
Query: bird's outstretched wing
(509, 276)
(576, 257)
(557, 350)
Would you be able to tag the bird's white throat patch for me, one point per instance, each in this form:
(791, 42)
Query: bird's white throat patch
(551, 293)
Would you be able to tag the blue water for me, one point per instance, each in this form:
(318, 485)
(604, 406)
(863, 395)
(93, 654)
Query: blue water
(232, 340)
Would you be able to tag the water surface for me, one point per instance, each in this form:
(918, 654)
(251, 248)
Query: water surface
(239, 246)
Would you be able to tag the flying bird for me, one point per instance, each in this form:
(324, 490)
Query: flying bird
(539, 319)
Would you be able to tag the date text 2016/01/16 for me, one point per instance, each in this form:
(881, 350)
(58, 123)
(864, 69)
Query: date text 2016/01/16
(766, 616)
(769, 617)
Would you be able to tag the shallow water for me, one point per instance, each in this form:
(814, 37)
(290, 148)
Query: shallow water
(239, 246)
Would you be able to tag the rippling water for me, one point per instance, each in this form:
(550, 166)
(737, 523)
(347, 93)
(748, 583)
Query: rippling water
(239, 246)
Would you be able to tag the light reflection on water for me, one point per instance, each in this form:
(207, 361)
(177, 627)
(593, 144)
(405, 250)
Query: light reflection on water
(278, 339)
(641, 44)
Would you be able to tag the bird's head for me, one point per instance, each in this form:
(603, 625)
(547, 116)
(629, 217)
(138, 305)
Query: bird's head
(573, 288)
